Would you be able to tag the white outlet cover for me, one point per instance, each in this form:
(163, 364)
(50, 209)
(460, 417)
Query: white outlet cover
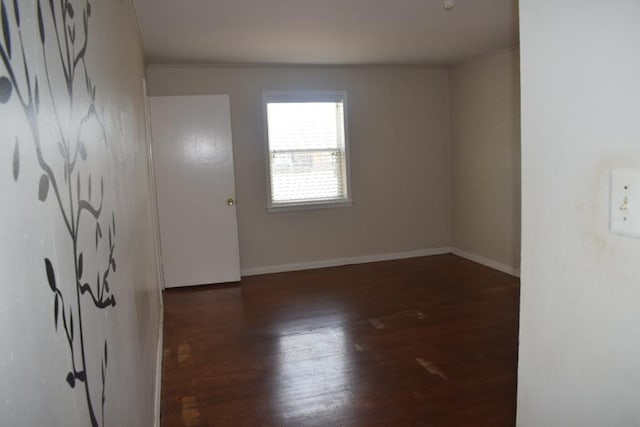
(625, 202)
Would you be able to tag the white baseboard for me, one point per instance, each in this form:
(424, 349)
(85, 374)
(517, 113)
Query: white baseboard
(486, 262)
(159, 357)
(342, 261)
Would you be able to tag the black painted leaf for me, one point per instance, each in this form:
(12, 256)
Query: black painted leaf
(96, 238)
(70, 10)
(80, 265)
(99, 231)
(56, 310)
(81, 376)
(102, 370)
(113, 301)
(101, 186)
(16, 161)
(83, 150)
(43, 188)
(71, 380)
(106, 285)
(113, 265)
(89, 187)
(106, 361)
(66, 172)
(37, 96)
(113, 222)
(5, 28)
(5, 90)
(16, 11)
(40, 23)
(78, 186)
(51, 277)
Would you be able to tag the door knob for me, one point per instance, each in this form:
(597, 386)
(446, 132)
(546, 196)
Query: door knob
(231, 202)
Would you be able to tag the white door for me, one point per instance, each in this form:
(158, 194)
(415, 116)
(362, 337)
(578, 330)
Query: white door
(195, 184)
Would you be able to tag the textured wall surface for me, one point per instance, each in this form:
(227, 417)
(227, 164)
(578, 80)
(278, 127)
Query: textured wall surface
(579, 335)
(79, 301)
(485, 157)
(399, 146)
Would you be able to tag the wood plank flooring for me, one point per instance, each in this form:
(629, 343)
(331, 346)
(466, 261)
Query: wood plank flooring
(419, 342)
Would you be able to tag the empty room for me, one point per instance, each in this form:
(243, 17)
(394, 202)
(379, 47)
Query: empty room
(319, 213)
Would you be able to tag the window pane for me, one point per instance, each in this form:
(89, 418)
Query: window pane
(304, 125)
(307, 176)
(307, 150)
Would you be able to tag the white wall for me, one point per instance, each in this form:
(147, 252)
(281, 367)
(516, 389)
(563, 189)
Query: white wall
(485, 158)
(399, 147)
(57, 121)
(579, 361)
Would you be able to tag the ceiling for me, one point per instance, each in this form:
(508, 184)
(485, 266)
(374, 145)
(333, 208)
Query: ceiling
(324, 31)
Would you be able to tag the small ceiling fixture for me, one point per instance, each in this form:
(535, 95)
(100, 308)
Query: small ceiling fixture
(448, 4)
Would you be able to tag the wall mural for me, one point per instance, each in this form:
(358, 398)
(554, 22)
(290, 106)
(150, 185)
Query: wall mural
(55, 68)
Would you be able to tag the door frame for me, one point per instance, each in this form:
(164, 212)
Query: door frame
(153, 193)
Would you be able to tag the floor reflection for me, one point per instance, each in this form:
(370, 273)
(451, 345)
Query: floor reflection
(313, 374)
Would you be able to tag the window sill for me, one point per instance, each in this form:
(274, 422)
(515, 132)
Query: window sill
(288, 207)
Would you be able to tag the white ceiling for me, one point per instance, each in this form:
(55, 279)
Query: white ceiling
(324, 31)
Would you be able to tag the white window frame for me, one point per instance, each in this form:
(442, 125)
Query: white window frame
(306, 96)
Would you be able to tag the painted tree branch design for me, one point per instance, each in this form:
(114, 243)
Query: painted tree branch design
(65, 80)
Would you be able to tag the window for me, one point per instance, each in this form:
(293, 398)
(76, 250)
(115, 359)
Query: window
(307, 148)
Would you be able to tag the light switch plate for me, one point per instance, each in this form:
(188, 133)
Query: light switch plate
(625, 202)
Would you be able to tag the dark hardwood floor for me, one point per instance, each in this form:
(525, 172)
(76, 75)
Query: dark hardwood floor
(418, 342)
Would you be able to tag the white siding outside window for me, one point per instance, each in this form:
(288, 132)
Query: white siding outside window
(307, 149)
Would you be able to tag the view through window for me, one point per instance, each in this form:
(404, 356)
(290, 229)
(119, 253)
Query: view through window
(307, 150)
